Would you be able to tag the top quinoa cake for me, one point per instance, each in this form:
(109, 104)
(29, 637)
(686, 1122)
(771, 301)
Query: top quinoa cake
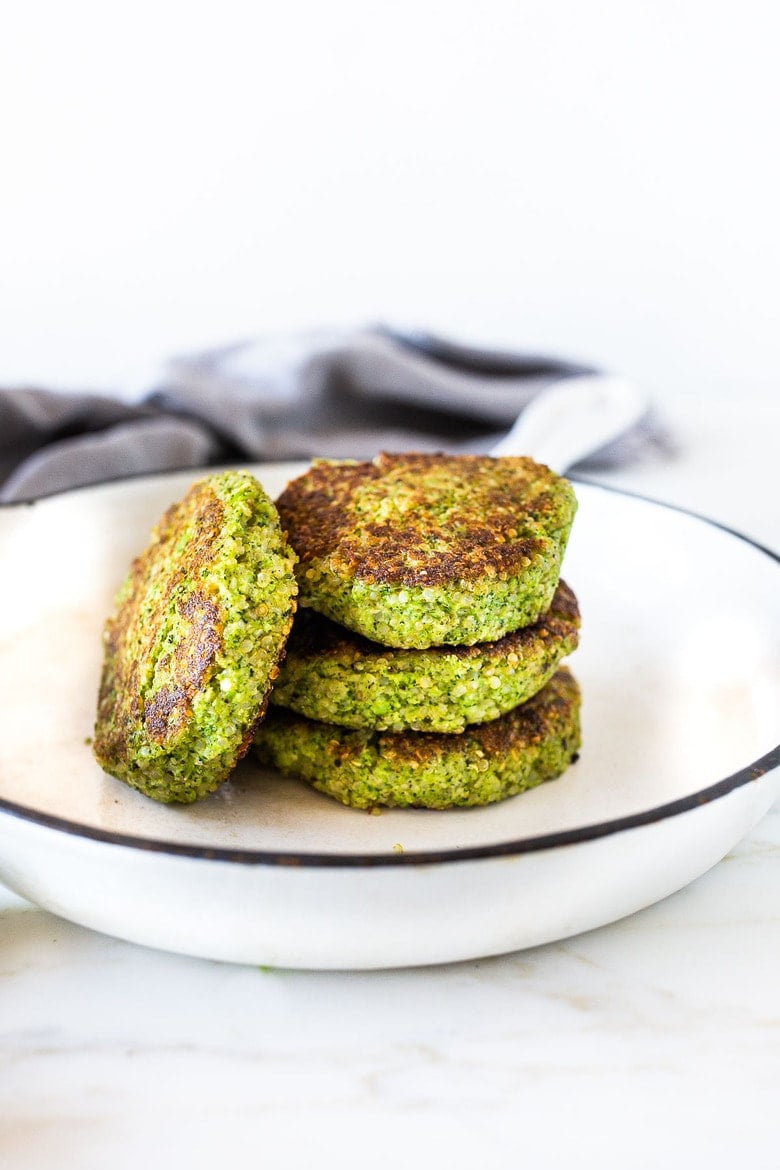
(421, 550)
(193, 647)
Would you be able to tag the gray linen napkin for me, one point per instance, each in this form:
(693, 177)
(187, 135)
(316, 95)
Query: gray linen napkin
(327, 393)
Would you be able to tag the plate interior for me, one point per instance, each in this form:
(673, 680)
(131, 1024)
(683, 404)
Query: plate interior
(678, 665)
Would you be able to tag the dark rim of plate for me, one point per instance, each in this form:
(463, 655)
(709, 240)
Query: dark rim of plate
(296, 859)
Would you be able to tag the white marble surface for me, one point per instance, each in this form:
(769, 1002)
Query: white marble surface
(654, 1042)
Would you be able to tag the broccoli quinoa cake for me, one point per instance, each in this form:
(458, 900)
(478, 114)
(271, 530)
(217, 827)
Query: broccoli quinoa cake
(334, 675)
(534, 742)
(193, 647)
(419, 550)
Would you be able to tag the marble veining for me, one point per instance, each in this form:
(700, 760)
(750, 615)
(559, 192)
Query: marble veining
(677, 1004)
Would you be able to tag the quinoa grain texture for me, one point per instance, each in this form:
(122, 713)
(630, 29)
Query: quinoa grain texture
(194, 644)
(422, 550)
(336, 676)
(366, 769)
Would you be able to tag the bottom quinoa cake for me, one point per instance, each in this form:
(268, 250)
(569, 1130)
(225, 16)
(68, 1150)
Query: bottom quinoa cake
(363, 768)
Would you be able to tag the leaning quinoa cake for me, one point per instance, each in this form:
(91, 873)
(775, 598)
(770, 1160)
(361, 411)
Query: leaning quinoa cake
(333, 675)
(422, 550)
(489, 762)
(194, 644)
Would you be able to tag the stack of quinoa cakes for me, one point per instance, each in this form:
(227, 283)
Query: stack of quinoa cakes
(423, 667)
(404, 618)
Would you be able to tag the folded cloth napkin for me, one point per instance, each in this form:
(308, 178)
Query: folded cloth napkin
(338, 393)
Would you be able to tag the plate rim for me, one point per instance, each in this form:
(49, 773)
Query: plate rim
(300, 859)
(297, 859)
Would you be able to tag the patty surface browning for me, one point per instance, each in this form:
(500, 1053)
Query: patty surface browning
(530, 744)
(336, 676)
(194, 644)
(417, 550)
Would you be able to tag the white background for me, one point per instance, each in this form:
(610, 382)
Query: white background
(593, 178)
(597, 179)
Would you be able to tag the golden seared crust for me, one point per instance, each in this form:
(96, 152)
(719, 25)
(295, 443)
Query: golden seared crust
(530, 723)
(195, 641)
(419, 519)
(316, 505)
(527, 726)
(137, 630)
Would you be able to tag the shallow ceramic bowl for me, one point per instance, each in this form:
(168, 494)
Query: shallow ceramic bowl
(680, 671)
